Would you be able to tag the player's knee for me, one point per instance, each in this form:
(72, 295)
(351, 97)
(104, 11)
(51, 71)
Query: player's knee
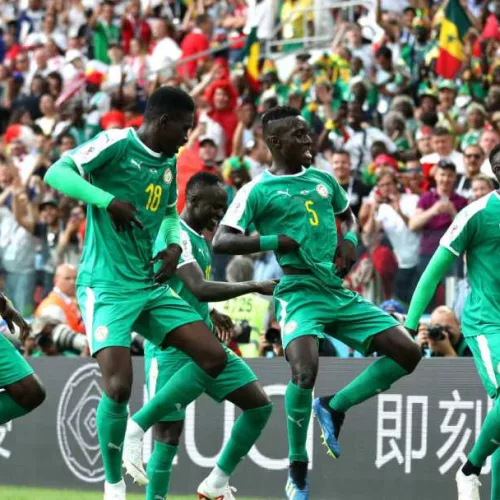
(214, 365)
(304, 376)
(412, 356)
(34, 396)
(118, 389)
(168, 434)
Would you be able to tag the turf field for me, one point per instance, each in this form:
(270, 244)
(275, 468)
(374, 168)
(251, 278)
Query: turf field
(15, 493)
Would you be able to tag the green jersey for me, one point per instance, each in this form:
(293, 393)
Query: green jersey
(476, 232)
(300, 206)
(194, 249)
(118, 162)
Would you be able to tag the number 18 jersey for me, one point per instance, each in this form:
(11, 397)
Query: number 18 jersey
(300, 206)
(118, 162)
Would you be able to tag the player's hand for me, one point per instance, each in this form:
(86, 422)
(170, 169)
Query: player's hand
(266, 287)
(13, 317)
(223, 324)
(345, 258)
(169, 258)
(286, 244)
(123, 215)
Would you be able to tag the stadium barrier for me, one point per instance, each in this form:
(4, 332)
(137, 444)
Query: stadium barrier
(407, 443)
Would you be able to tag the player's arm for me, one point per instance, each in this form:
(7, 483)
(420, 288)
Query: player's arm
(13, 317)
(430, 279)
(216, 291)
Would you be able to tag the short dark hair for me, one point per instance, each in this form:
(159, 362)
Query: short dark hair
(202, 18)
(342, 152)
(168, 100)
(447, 165)
(494, 152)
(275, 115)
(409, 9)
(199, 180)
(384, 51)
(440, 132)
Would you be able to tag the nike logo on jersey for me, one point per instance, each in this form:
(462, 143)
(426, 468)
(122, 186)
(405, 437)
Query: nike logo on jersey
(113, 446)
(286, 193)
(136, 164)
(296, 422)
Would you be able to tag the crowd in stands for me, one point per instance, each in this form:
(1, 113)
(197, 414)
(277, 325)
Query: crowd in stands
(409, 146)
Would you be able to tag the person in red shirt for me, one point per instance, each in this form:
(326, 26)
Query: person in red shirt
(196, 41)
(134, 26)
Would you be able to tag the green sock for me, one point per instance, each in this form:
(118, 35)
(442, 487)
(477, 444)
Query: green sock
(245, 432)
(377, 378)
(159, 470)
(111, 426)
(495, 475)
(298, 404)
(9, 409)
(488, 439)
(185, 386)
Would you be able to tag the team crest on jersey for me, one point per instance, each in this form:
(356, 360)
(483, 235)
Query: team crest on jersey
(167, 176)
(101, 333)
(290, 327)
(322, 191)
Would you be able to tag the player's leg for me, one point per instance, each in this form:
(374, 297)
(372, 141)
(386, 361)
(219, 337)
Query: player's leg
(166, 443)
(495, 475)
(486, 352)
(23, 390)
(365, 327)
(237, 384)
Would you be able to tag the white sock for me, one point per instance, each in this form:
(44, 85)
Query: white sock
(120, 486)
(134, 429)
(217, 478)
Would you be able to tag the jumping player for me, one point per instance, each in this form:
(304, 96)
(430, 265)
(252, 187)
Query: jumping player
(293, 208)
(475, 232)
(128, 179)
(22, 391)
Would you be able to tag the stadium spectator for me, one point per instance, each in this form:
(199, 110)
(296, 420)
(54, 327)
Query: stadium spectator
(473, 159)
(442, 337)
(61, 304)
(105, 32)
(488, 140)
(481, 186)
(198, 40)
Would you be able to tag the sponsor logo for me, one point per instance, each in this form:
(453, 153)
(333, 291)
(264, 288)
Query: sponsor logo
(77, 424)
(286, 193)
(167, 176)
(101, 333)
(296, 422)
(136, 164)
(322, 190)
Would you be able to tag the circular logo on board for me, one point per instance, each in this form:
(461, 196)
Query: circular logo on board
(290, 327)
(322, 191)
(77, 424)
(167, 176)
(101, 333)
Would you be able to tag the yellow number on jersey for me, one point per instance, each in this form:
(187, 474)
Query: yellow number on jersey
(314, 219)
(154, 199)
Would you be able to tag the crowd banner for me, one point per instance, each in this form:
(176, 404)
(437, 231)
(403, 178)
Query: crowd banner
(406, 443)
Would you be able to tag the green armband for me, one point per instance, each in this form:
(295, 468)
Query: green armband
(351, 236)
(270, 242)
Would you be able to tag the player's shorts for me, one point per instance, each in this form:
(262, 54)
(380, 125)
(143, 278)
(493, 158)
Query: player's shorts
(161, 365)
(307, 306)
(111, 315)
(486, 352)
(13, 367)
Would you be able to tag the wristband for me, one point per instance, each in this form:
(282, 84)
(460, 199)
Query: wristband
(351, 236)
(270, 242)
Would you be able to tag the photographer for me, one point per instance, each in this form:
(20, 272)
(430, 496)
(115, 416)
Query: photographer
(270, 342)
(443, 337)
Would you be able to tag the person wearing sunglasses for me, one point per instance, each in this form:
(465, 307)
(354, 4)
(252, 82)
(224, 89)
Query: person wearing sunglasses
(473, 159)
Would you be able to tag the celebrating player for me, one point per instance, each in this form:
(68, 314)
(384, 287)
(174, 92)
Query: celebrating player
(22, 391)
(293, 209)
(206, 203)
(117, 286)
(475, 232)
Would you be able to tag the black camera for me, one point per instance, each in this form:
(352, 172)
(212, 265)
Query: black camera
(437, 332)
(273, 336)
(243, 331)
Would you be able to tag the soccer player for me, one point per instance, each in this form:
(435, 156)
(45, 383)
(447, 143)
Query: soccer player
(22, 391)
(475, 232)
(206, 203)
(293, 208)
(130, 187)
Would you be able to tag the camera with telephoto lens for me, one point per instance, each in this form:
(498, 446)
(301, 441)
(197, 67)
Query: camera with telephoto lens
(48, 331)
(243, 331)
(437, 332)
(273, 336)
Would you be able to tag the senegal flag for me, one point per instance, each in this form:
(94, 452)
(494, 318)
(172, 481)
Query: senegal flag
(252, 54)
(454, 26)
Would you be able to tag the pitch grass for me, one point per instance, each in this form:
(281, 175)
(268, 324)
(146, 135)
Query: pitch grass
(16, 493)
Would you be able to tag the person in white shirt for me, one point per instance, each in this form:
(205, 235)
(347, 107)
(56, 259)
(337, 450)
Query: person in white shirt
(442, 146)
(48, 109)
(166, 51)
(390, 212)
(488, 140)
